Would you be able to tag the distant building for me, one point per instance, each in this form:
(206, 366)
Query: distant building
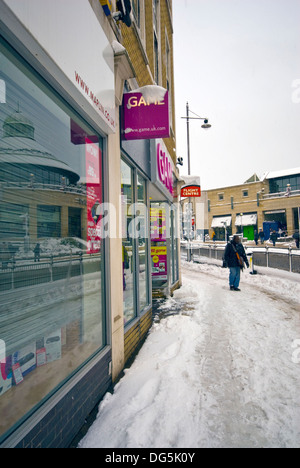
(270, 203)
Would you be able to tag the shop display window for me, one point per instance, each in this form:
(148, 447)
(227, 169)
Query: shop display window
(128, 244)
(143, 241)
(135, 243)
(52, 302)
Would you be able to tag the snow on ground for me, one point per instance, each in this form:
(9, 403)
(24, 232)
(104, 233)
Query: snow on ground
(218, 369)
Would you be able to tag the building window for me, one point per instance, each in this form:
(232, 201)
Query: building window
(136, 9)
(156, 39)
(220, 196)
(53, 315)
(245, 193)
(128, 248)
(135, 242)
(174, 245)
(143, 243)
(279, 184)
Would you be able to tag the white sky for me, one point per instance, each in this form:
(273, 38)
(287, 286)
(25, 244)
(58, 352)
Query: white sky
(237, 62)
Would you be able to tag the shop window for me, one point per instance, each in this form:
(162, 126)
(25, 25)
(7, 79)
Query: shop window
(159, 225)
(143, 270)
(52, 301)
(135, 243)
(174, 245)
(128, 247)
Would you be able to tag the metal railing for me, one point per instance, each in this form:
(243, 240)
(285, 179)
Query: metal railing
(292, 193)
(287, 259)
(22, 273)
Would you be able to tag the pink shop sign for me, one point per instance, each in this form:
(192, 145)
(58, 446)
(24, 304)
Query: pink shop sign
(145, 118)
(164, 168)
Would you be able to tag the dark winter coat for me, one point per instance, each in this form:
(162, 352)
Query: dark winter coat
(230, 257)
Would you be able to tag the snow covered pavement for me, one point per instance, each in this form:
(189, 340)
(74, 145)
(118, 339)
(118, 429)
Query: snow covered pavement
(220, 369)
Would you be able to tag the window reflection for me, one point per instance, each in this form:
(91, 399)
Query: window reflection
(127, 242)
(51, 282)
(142, 244)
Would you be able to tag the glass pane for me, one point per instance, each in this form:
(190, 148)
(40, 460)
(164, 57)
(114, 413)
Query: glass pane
(175, 230)
(172, 246)
(51, 282)
(127, 241)
(158, 232)
(142, 243)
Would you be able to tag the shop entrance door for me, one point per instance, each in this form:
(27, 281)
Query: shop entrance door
(248, 231)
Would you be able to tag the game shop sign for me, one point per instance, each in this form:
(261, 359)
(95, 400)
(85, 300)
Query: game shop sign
(162, 169)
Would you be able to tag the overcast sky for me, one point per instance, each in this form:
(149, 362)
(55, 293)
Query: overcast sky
(237, 62)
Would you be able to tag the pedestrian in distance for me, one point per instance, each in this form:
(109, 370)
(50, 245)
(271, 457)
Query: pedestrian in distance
(256, 237)
(296, 237)
(261, 236)
(37, 252)
(235, 258)
(273, 237)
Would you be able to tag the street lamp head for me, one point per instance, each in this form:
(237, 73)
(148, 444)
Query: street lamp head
(206, 124)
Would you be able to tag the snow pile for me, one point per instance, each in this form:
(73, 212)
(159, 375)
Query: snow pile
(217, 371)
(151, 93)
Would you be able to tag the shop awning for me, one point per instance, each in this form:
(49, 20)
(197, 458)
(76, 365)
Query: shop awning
(221, 221)
(274, 212)
(246, 220)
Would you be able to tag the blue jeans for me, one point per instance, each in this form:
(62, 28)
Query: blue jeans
(234, 276)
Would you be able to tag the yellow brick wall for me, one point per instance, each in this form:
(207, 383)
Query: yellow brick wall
(136, 334)
(144, 67)
(141, 54)
(249, 204)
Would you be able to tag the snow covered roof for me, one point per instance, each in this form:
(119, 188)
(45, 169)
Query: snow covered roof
(221, 221)
(191, 180)
(283, 173)
(246, 220)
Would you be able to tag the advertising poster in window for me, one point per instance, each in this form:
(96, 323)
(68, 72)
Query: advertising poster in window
(159, 262)
(94, 196)
(158, 229)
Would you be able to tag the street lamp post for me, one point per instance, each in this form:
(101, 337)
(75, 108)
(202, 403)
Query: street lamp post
(205, 125)
(242, 229)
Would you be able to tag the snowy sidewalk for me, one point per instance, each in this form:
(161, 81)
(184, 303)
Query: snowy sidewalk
(221, 373)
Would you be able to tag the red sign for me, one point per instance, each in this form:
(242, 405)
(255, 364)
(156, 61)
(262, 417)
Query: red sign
(94, 195)
(191, 191)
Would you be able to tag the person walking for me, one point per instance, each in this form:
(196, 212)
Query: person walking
(37, 252)
(234, 258)
(261, 235)
(296, 237)
(273, 237)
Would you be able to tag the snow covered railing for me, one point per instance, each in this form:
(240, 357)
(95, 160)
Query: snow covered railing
(292, 193)
(287, 259)
(22, 273)
(77, 189)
